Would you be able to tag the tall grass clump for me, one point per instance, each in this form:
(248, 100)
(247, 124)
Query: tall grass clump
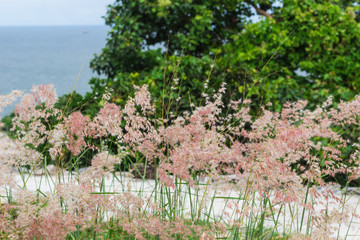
(220, 173)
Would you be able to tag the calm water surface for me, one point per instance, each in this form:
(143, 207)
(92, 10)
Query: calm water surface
(44, 55)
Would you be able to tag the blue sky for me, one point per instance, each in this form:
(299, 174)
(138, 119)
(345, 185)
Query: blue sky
(52, 12)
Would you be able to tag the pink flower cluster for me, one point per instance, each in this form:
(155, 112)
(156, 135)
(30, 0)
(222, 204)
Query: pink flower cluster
(275, 153)
(8, 99)
(32, 115)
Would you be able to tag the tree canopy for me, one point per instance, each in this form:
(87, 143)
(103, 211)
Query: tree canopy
(304, 49)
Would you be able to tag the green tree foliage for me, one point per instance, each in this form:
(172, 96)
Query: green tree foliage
(189, 30)
(216, 40)
(320, 38)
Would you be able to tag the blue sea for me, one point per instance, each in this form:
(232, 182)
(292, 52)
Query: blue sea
(52, 54)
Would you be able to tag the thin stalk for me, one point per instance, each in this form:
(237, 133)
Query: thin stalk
(305, 201)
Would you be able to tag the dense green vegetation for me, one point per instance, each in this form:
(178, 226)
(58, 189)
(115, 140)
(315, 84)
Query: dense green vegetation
(216, 41)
